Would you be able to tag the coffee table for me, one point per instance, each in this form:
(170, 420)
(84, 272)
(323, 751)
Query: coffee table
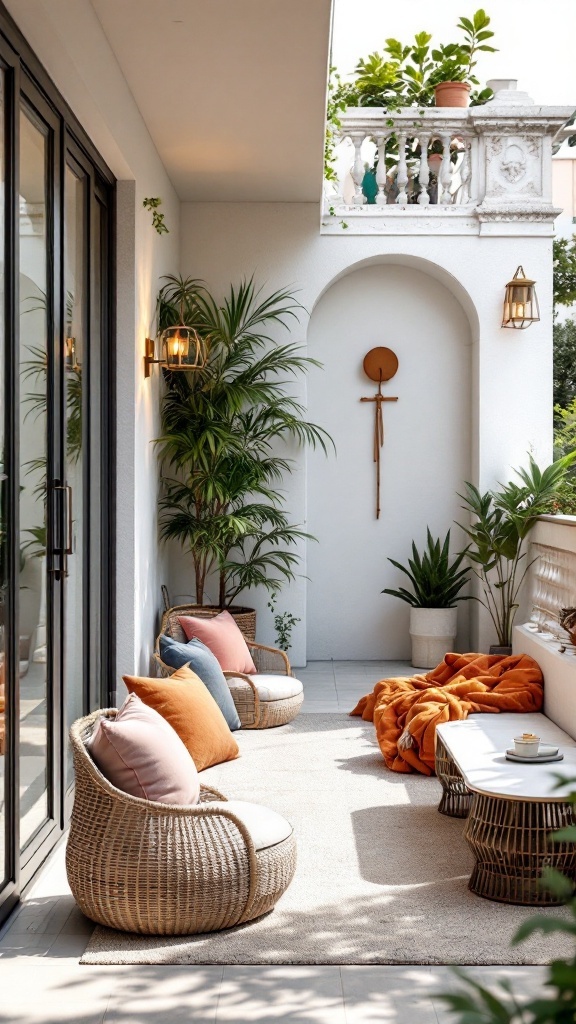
(512, 808)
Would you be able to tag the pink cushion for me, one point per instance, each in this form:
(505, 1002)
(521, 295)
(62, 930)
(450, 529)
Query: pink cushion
(222, 636)
(141, 754)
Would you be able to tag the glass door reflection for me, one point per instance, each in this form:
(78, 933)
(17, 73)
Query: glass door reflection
(75, 279)
(34, 389)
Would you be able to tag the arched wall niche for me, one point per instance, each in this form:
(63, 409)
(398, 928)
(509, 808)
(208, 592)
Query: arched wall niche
(428, 319)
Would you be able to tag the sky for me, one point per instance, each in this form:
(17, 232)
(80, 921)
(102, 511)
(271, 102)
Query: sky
(536, 39)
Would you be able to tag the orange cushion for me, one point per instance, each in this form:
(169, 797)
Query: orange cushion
(221, 634)
(191, 710)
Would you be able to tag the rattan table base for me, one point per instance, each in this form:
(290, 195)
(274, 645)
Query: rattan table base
(510, 840)
(456, 798)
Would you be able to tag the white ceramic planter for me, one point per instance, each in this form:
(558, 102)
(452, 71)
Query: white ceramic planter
(432, 631)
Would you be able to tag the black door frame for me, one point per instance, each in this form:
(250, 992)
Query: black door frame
(27, 81)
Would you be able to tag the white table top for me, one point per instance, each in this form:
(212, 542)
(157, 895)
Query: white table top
(478, 747)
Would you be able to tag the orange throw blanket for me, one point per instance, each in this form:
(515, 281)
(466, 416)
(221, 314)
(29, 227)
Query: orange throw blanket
(406, 711)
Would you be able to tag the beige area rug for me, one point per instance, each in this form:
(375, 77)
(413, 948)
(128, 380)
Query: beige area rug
(381, 877)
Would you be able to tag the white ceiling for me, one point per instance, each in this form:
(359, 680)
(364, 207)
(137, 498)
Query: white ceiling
(232, 91)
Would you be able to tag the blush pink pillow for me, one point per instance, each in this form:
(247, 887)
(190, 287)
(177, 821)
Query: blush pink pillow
(222, 636)
(141, 754)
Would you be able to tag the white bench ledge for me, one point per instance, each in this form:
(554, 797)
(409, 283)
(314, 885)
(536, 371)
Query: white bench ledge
(559, 520)
(478, 745)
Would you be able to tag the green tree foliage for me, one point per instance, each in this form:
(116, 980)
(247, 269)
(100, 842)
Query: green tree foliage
(565, 368)
(564, 267)
(564, 443)
(564, 363)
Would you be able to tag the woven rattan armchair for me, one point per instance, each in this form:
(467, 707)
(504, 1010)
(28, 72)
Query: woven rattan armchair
(255, 708)
(159, 869)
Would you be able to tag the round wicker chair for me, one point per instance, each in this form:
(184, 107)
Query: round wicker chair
(271, 697)
(158, 869)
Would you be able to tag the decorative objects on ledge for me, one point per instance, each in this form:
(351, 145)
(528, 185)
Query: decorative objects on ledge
(520, 302)
(567, 619)
(379, 364)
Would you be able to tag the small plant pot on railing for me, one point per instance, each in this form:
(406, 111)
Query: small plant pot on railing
(452, 94)
(432, 632)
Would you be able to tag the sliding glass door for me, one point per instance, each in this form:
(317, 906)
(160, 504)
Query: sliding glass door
(56, 600)
(35, 644)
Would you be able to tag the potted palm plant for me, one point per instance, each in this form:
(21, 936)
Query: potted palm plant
(436, 580)
(500, 522)
(221, 443)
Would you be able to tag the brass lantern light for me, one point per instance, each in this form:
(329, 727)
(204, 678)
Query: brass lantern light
(520, 302)
(181, 348)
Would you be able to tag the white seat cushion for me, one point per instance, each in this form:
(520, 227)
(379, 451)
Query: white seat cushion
(266, 827)
(273, 687)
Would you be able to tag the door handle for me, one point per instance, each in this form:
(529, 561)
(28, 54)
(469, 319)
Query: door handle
(62, 528)
(54, 531)
(69, 549)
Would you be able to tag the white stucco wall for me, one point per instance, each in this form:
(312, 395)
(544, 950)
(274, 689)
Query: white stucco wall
(425, 458)
(509, 408)
(94, 86)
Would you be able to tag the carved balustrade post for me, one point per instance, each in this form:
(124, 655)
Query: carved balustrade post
(465, 172)
(358, 170)
(424, 171)
(445, 169)
(402, 175)
(381, 198)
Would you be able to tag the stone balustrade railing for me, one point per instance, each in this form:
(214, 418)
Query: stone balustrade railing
(477, 166)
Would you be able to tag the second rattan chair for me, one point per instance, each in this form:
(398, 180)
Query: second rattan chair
(140, 866)
(273, 696)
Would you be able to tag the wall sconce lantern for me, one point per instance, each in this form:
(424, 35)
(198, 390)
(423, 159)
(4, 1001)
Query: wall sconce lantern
(70, 354)
(520, 302)
(181, 348)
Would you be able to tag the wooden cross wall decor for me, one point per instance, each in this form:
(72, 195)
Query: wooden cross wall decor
(379, 364)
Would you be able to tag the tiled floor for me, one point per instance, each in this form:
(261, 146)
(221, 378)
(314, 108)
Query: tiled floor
(54, 989)
(337, 685)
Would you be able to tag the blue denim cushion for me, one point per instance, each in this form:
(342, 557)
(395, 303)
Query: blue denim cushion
(206, 666)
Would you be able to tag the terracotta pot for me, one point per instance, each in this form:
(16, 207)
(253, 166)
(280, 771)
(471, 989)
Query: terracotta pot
(452, 94)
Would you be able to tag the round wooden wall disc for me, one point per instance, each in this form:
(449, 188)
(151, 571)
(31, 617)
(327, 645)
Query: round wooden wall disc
(380, 363)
